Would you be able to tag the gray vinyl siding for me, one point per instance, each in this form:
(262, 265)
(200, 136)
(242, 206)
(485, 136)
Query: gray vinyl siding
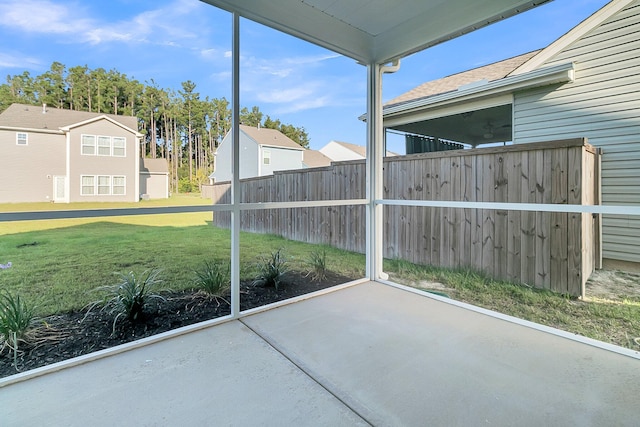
(27, 171)
(248, 158)
(80, 164)
(602, 104)
(281, 159)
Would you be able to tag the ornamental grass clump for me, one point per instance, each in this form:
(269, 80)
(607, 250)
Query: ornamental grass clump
(214, 279)
(18, 323)
(318, 265)
(130, 295)
(271, 269)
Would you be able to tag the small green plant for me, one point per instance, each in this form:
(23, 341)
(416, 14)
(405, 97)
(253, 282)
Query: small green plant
(214, 279)
(318, 265)
(271, 269)
(17, 322)
(128, 297)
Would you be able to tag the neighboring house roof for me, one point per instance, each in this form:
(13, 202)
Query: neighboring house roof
(358, 149)
(315, 159)
(46, 118)
(270, 137)
(491, 72)
(154, 166)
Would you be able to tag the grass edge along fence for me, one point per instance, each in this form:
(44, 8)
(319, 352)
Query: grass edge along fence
(547, 250)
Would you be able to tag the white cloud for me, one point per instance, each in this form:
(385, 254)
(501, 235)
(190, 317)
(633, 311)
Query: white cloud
(41, 16)
(75, 23)
(8, 60)
(292, 84)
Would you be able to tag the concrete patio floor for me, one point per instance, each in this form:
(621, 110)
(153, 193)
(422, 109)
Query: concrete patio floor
(368, 354)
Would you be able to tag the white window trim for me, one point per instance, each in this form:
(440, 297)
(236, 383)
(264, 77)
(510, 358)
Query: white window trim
(18, 139)
(113, 146)
(266, 157)
(96, 145)
(82, 185)
(96, 186)
(82, 145)
(110, 146)
(124, 185)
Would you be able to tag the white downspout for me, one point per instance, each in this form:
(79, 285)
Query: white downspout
(374, 170)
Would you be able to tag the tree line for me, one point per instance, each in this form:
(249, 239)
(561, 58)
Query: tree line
(178, 125)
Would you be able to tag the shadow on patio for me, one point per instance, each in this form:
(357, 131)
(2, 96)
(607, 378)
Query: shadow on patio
(370, 353)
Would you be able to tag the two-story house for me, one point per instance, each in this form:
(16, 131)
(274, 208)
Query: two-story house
(57, 155)
(262, 152)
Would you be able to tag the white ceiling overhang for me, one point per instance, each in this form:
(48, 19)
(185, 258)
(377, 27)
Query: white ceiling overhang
(375, 31)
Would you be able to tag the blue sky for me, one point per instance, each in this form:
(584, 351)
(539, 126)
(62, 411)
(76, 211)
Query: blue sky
(171, 41)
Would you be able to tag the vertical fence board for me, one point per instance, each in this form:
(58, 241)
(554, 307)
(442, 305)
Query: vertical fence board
(445, 227)
(514, 231)
(488, 222)
(500, 233)
(436, 214)
(574, 227)
(528, 220)
(543, 225)
(558, 236)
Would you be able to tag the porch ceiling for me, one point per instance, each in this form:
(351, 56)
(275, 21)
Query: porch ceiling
(375, 31)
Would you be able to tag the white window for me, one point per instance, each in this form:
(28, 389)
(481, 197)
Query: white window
(89, 145)
(21, 138)
(266, 157)
(118, 185)
(104, 146)
(104, 185)
(88, 185)
(119, 145)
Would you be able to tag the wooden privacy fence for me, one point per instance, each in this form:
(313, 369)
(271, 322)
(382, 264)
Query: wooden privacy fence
(549, 250)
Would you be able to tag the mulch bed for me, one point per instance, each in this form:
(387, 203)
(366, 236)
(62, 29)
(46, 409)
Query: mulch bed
(76, 333)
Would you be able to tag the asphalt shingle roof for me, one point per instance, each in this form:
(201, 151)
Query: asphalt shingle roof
(270, 137)
(491, 72)
(32, 117)
(315, 159)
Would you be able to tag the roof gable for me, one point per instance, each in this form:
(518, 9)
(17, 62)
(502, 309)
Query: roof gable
(270, 138)
(96, 119)
(358, 149)
(573, 35)
(46, 118)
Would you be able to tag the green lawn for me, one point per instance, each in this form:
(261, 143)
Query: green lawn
(58, 264)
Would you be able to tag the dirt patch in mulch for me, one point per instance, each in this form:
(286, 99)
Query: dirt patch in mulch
(76, 333)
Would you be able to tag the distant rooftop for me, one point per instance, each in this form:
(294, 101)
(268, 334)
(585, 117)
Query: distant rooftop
(270, 137)
(315, 159)
(41, 117)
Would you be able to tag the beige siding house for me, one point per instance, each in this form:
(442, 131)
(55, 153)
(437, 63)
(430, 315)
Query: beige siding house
(65, 156)
(585, 84)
